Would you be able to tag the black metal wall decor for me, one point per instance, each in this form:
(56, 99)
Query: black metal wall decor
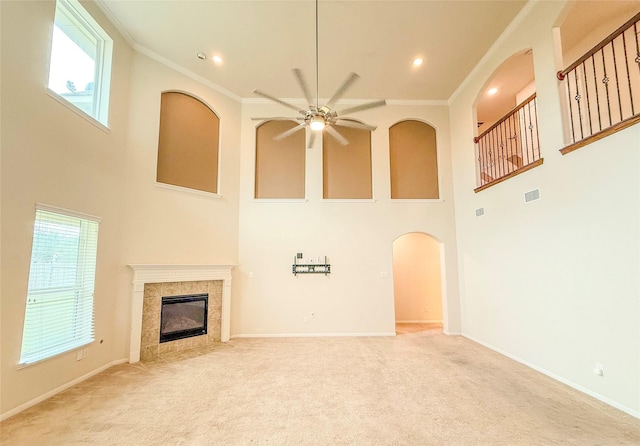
(310, 268)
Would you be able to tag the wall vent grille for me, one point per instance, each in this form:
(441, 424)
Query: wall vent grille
(479, 212)
(532, 195)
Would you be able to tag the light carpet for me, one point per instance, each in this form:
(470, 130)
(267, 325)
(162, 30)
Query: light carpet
(419, 388)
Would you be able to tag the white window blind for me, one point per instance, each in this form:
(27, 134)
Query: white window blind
(59, 309)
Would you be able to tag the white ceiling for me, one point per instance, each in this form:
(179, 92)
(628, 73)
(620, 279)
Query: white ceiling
(262, 41)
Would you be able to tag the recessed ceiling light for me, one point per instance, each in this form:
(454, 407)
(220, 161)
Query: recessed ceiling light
(201, 56)
(492, 91)
(417, 62)
(217, 59)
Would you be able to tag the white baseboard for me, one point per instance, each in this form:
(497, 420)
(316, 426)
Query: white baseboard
(57, 390)
(604, 399)
(429, 321)
(309, 335)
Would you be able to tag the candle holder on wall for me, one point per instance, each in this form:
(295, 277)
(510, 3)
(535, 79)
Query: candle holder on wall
(310, 267)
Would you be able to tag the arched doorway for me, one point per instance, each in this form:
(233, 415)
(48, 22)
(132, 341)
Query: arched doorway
(417, 283)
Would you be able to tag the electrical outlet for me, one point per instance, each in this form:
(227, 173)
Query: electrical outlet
(598, 369)
(313, 314)
(306, 319)
(85, 353)
(79, 355)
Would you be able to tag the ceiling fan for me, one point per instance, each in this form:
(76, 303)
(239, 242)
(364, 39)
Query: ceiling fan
(317, 117)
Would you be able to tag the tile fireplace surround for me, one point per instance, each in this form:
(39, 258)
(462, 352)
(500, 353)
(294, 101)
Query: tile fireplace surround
(147, 274)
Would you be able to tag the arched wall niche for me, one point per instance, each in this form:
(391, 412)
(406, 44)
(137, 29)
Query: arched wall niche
(188, 142)
(280, 163)
(413, 158)
(346, 169)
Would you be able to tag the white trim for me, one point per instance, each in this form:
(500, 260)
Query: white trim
(115, 22)
(349, 200)
(310, 335)
(303, 103)
(52, 94)
(143, 274)
(187, 190)
(418, 102)
(279, 200)
(59, 389)
(190, 74)
(416, 200)
(427, 321)
(580, 388)
(24, 365)
(67, 212)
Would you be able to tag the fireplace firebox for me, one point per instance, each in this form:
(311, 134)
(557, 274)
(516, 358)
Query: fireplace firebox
(183, 316)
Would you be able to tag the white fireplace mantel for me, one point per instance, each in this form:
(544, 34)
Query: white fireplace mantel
(175, 273)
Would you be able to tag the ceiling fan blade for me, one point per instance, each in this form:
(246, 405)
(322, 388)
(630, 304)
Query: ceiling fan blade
(291, 131)
(303, 84)
(278, 118)
(312, 140)
(343, 88)
(279, 101)
(346, 122)
(361, 107)
(333, 132)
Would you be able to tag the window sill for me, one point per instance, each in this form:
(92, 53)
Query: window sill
(279, 200)
(187, 190)
(24, 365)
(416, 200)
(349, 200)
(511, 175)
(52, 94)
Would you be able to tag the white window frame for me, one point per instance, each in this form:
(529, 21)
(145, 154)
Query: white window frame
(68, 302)
(84, 28)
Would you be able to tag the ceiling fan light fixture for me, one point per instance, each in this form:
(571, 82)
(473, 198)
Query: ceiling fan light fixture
(317, 123)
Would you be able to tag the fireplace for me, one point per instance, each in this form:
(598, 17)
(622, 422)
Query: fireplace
(151, 282)
(183, 316)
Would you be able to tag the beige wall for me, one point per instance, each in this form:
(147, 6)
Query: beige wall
(173, 226)
(417, 286)
(553, 283)
(356, 236)
(51, 155)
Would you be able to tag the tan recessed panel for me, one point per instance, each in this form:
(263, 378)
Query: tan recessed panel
(280, 165)
(188, 143)
(347, 169)
(414, 161)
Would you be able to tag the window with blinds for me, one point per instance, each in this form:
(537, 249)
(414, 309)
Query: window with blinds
(59, 309)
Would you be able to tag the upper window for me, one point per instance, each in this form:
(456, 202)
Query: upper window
(347, 168)
(413, 160)
(280, 162)
(80, 66)
(59, 308)
(188, 143)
